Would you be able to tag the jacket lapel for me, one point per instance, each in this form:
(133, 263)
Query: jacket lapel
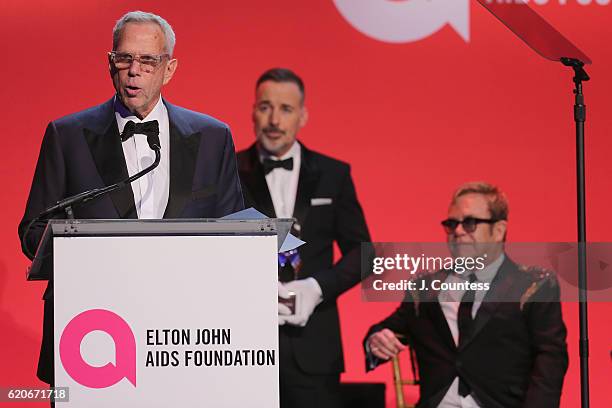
(105, 146)
(184, 146)
(501, 284)
(254, 179)
(307, 183)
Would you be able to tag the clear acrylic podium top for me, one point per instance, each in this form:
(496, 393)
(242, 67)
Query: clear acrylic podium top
(42, 265)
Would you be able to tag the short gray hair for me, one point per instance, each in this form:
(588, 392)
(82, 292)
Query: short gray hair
(144, 17)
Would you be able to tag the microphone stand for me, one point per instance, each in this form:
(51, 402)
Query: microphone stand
(87, 196)
(580, 117)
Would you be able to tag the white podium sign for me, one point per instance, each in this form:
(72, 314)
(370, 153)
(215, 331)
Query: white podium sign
(166, 321)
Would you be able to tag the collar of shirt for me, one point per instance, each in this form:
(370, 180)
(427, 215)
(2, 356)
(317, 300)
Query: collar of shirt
(488, 273)
(124, 116)
(294, 152)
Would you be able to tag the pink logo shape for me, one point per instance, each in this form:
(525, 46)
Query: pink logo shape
(125, 346)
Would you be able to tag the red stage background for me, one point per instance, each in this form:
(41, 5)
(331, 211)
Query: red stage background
(414, 119)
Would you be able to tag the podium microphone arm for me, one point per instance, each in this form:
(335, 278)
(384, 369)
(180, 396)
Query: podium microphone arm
(86, 196)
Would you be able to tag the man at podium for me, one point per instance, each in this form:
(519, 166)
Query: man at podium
(196, 176)
(282, 178)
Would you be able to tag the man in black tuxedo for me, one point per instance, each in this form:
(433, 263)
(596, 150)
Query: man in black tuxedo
(282, 178)
(498, 347)
(197, 176)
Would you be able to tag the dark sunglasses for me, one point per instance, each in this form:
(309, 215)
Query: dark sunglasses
(469, 224)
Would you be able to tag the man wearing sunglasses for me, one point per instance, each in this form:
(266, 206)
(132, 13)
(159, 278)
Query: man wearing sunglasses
(197, 175)
(503, 346)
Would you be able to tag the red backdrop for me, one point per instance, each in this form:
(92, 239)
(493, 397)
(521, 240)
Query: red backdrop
(414, 119)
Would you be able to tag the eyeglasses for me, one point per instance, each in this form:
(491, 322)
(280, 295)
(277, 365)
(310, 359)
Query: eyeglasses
(148, 63)
(469, 224)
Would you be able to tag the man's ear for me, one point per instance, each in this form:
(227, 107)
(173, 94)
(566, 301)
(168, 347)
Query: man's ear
(499, 230)
(304, 117)
(170, 69)
(111, 67)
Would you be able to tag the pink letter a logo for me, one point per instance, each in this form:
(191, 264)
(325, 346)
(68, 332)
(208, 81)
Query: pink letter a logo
(125, 346)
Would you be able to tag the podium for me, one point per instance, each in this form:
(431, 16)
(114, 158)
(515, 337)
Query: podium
(158, 313)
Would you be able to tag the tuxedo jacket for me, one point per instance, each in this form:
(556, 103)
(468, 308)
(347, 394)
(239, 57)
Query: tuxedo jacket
(316, 347)
(83, 151)
(516, 354)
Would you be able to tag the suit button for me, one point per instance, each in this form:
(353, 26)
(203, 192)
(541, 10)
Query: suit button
(458, 364)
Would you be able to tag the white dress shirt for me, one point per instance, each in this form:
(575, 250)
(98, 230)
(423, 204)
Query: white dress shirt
(151, 191)
(449, 302)
(283, 183)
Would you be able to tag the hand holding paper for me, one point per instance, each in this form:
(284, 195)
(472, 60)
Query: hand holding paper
(284, 296)
(308, 296)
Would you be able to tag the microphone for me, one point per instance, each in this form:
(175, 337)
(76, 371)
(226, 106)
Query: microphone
(67, 203)
(154, 144)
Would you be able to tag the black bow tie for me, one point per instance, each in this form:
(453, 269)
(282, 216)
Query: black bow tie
(150, 128)
(270, 165)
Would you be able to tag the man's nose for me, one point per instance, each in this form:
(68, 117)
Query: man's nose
(459, 231)
(134, 68)
(274, 117)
